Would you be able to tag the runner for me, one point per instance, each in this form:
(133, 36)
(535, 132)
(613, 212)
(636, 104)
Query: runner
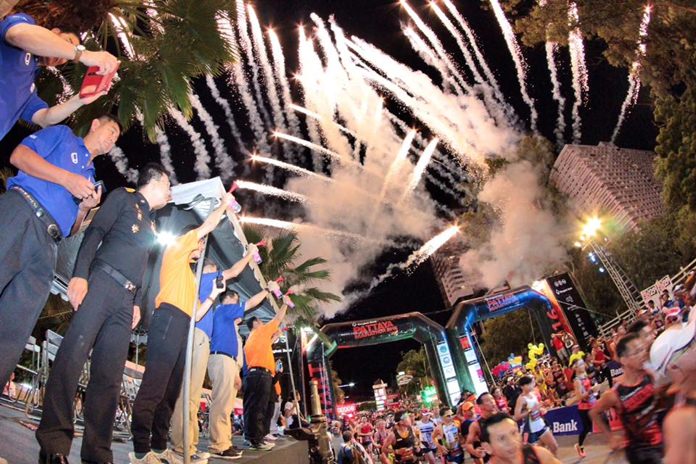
(426, 427)
(585, 396)
(673, 355)
(501, 439)
(447, 438)
(633, 397)
(365, 431)
(380, 437)
(528, 408)
(487, 408)
(402, 441)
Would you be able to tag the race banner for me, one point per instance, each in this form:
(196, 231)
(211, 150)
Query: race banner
(573, 306)
(653, 292)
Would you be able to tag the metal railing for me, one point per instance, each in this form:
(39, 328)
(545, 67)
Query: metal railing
(630, 315)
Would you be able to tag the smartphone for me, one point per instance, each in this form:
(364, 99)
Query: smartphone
(219, 282)
(100, 184)
(93, 83)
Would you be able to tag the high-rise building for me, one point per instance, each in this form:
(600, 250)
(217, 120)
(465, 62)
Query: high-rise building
(452, 280)
(609, 180)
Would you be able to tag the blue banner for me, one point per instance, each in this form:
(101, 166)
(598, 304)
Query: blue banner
(564, 421)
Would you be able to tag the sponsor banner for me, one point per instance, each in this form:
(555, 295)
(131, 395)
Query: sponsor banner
(573, 306)
(653, 292)
(500, 301)
(346, 409)
(564, 421)
(369, 329)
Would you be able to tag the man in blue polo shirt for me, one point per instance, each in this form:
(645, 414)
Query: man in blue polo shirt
(201, 351)
(226, 360)
(24, 46)
(46, 201)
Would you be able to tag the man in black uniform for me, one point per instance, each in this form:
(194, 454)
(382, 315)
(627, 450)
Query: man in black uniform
(105, 292)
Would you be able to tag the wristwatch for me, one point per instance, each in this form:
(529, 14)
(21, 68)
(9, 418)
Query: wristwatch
(79, 50)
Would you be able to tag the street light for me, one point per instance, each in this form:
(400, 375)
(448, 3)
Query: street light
(627, 289)
(347, 385)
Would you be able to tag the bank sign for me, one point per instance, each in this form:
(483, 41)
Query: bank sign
(564, 421)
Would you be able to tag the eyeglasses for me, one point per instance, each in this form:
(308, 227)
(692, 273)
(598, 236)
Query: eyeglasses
(446, 416)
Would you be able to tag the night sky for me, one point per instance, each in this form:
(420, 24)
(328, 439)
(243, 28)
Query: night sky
(378, 22)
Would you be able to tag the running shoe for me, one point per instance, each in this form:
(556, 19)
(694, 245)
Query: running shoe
(149, 458)
(579, 449)
(230, 453)
(170, 457)
(270, 437)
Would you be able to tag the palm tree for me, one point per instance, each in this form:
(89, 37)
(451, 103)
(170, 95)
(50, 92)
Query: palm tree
(279, 259)
(162, 44)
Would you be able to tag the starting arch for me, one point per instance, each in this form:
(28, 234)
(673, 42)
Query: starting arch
(453, 358)
(377, 331)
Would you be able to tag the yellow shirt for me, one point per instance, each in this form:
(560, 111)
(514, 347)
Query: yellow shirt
(177, 280)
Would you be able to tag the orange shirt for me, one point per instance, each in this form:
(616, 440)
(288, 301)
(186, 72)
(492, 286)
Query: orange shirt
(259, 346)
(177, 280)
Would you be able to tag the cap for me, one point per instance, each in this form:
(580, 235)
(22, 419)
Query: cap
(668, 343)
(467, 406)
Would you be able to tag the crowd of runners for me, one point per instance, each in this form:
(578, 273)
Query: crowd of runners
(643, 396)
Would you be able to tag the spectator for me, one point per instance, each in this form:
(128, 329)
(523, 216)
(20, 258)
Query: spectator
(352, 452)
(24, 46)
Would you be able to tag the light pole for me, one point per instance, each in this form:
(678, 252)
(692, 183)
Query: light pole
(627, 289)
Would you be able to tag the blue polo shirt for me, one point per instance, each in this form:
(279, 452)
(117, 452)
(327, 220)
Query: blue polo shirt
(204, 291)
(60, 147)
(18, 69)
(224, 337)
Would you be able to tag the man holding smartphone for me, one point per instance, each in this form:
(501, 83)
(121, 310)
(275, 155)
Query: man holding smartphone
(167, 341)
(106, 293)
(201, 352)
(46, 201)
(24, 46)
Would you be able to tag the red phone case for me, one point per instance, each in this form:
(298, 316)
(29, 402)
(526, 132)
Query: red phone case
(93, 83)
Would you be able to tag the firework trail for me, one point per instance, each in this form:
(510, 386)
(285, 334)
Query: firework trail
(223, 161)
(474, 45)
(248, 49)
(559, 131)
(309, 67)
(215, 92)
(238, 78)
(166, 154)
(428, 55)
(517, 58)
(634, 72)
(67, 88)
(422, 164)
(318, 117)
(581, 83)
(460, 42)
(293, 226)
(416, 258)
(393, 169)
(279, 63)
(437, 45)
(121, 162)
(306, 143)
(271, 85)
(202, 157)
(325, 101)
(290, 167)
(122, 32)
(270, 190)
